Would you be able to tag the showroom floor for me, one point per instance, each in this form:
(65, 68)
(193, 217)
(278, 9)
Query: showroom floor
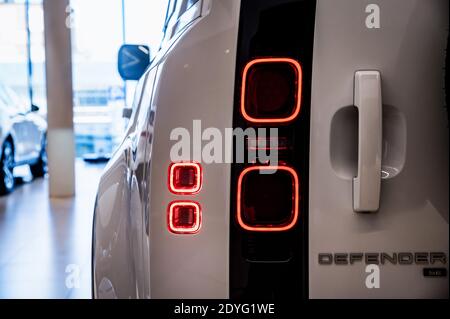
(45, 245)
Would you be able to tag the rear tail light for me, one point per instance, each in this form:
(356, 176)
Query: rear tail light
(184, 217)
(268, 202)
(271, 90)
(268, 219)
(185, 178)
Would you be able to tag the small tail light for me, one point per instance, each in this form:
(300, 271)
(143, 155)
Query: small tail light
(184, 217)
(268, 202)
(271, 90)
(185, 178)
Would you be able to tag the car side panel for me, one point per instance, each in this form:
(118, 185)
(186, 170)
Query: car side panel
(115, 240)
(196, 81)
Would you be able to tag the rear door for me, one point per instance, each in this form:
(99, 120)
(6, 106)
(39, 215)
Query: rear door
(379, 190)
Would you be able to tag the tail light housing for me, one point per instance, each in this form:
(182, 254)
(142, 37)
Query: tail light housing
(184, 217)
(269, 214)
(259, 143)
(268, 202)
(185, 178)
(271, 90)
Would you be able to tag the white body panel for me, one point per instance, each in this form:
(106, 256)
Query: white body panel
(408, 51)
(193, 80)
(196, 81)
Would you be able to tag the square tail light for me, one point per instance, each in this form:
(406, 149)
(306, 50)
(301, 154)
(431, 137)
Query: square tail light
(271, 90)
(185, 178)
(184, 217)
(268, 202)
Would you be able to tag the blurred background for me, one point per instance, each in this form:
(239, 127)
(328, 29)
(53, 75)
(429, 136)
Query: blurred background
(98, 29)
(46, 218)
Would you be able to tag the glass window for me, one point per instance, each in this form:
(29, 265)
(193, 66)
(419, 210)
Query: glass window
(13, 47)
(37, 54)
(16, 18)
(144, 21)
(99, 28)
(98, 92)
(179, 16)
(12, 101)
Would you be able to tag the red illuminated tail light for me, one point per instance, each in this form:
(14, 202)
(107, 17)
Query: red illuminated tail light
(184, 217)
(271, 90)
(185, 178)
(268, 202)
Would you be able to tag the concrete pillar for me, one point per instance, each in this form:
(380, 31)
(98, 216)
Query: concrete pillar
(60, 136)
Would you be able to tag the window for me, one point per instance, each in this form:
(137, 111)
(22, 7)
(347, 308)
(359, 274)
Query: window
(99, 28)
(13, 47)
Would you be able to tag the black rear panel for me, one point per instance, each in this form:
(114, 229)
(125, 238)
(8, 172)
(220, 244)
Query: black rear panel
(274, 265)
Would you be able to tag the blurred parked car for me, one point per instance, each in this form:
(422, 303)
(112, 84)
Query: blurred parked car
(22, 138)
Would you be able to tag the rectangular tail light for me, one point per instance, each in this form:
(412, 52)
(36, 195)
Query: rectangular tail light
(184, 217)
(271, 90)
(185, 178)
(268, 202)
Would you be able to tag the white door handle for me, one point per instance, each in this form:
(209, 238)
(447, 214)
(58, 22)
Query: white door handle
(367, 98)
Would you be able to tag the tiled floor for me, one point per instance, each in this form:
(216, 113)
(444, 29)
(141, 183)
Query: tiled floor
(45, 245)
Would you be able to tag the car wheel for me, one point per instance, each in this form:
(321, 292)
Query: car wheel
(41, 168)
(7, 168)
